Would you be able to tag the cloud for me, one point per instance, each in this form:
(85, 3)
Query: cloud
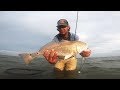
(29, 30)
(109, 45)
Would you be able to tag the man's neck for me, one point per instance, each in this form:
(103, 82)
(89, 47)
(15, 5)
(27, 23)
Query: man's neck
(65, 36)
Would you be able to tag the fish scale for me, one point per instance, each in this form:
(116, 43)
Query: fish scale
(65, 49)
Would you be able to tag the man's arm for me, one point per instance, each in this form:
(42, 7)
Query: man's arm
(85, 53)
(55, 39)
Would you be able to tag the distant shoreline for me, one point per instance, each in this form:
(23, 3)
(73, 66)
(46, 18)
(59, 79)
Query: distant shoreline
(77, 58)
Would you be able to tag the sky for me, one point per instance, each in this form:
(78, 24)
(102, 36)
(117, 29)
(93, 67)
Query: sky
(28, 31)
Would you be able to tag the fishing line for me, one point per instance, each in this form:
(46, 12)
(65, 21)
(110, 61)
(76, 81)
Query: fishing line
(74, 39)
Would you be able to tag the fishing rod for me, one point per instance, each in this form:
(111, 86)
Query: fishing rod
(74, 39)
(76, 24)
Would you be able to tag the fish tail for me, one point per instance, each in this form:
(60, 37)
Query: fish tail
(29, 57)
(26, 57)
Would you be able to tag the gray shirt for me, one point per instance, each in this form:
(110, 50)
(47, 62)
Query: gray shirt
(72, 37)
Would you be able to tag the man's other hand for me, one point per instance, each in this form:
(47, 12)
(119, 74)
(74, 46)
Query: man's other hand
(85, 53)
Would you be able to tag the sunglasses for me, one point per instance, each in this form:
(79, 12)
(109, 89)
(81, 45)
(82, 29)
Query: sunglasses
(59, 27)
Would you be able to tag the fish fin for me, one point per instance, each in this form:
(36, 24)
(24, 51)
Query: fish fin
(68, 56)
(61, 57)
(65, 57)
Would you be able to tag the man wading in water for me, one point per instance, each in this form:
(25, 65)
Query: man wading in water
(64, 34)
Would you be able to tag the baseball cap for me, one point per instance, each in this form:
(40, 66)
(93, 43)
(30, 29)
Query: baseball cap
(62, 22)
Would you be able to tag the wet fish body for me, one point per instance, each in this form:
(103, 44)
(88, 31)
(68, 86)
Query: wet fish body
(65, 49)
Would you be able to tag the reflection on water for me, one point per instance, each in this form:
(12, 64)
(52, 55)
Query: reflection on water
(66, 74)
(12, 67)
(23, 71)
